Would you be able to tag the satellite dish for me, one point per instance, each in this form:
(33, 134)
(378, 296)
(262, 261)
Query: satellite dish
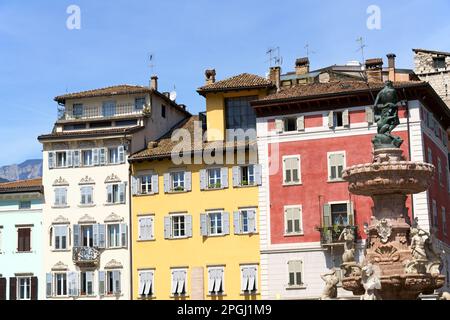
(173, 96)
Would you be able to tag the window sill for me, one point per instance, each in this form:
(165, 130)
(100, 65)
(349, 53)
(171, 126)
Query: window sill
(144, 194)
(291, 184)
(302, 287)
(247, 234)
(61, 250)
(178, 238)
(301, 234)
(215, 235)
(214, 189)
(336, 181)
(86, 205)
(246, 186)
(146, 240)
(147, 298)
(113, 204)
(218, 295)
(249, 294)
(61, 207)
(23, 252)
(179, 296)
(176, 192)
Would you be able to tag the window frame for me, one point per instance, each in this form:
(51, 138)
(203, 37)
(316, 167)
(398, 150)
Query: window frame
(180, 181)
(246, 266)
(65, 163)
(137, 106)
(172, 271)
(153, 292)
(30, 228)
(60, 193)
(27, 288)
(174, 216)
(214, 186)
(65, 284)
(54, 236)
(299, 170)
(247, 168)
(294, 233)
(329, 167)
(209, 223)
(86, 196)
(83, 152)
(113, 291)
(148, 184)
(295, 285)
(286, 123)
(221, 293)
(242, 107)
(93, 294)
(111, 152)
(21, 207)
(117, 236)
(152, 227)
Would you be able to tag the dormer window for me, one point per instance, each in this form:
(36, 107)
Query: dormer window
(290, 124)
(439, 63)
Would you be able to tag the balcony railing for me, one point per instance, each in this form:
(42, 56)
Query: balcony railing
(330, 235)
(97, 112)
(86, 256)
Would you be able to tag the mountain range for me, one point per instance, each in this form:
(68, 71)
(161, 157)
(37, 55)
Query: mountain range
(29, 169)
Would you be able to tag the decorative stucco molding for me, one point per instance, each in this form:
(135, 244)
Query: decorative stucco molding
(113, 264)
(61, 220)
(60, 182)
(60, 266)
(86, 180)
(86, 219)
(113, 218)
(112, 178)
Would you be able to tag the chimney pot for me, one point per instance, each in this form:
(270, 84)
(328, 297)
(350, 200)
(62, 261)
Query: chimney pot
(274, 76)
(302, 66)
(391, 61)
(154, 82)
(210, 75)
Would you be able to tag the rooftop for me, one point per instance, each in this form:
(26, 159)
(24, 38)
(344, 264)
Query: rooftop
(432, 51)
(21, 186)
(90, 133)
(241, 81)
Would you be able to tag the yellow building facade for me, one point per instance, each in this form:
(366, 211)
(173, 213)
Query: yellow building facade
(195, 226)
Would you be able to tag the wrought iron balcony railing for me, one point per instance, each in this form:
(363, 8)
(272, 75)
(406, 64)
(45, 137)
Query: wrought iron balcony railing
(330, 235)
(82, 112)
(86, 256)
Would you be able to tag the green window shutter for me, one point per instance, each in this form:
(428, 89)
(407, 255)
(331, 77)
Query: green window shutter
(326, 219)
(346, 118)
(369, 115)
(301, 123)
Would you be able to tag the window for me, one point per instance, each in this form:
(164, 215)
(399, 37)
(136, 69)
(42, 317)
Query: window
(214, 178)
(24, 205)
(145, 184)
(248, 175)
(87, 283)
(245, 221)
(336, 165)
(216, 280)
(444, 221)
(116, 193)
(60, 236)
(113, 155)
(146, 228)
(61, 159)
(61, 284)
(239, 113)
(338, 120)
(163, 111)
(430, 156)
(114, 236)
(87, 158)
(77, 110)
(177, 179)
(60, 197)
(113, 282)
(87, 236)
(146, 284)
(139, 103)
(439, 62)
(24, 240)
(24, 288)
(290, 124)
(291, 170)
(435, 214)
(87, 195)
(178, 226)
(249, 279)
(440, 172)
(179, 279)
(295, 273)
(215, 223)
(293, 220)
(109, 108)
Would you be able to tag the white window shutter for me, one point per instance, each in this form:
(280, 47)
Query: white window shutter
(109, 191)
(346, 118)
(122, 188)
(203, 179)
(101, 283)
(331, 119)
(258, 174)
(211, 280)
(244, 279)
(155, 183)
(326, 219)
(69, 158)
(301, 123)
(51, 160)
(134, 185)
(188, 226)
(49, 286)
(102, 236)
(116, 280)
(76, 158)
(142, 282)
(141, 229)
(369, 115)
(204, 225)
(279, 125)
(236, 222)
(121, 151)
(77, 235)
(226, 223)
(187, 181)
(167, 186)
(224, 177)
(151, 224)
(167, 228)
(236, 176)
(174, 282)
(251, 221)
(95, 157)
(123, 235)
(95, 235)
(102, 156)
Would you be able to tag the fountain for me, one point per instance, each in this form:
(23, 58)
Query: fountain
(400, 262)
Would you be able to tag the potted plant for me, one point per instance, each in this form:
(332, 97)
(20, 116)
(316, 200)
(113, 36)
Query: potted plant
(179, 188)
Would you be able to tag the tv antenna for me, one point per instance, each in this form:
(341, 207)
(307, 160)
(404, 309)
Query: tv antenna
(274, 56)
(151, 59)
(361, 47)
(173, 94)
(308, 50)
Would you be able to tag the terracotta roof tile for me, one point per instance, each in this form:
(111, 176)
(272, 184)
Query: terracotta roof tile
(21, 186)
(90, 133)
(241, 81)
(108, 91)
(165, 145)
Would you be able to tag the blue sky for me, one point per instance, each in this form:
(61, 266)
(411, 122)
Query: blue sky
(40, 58)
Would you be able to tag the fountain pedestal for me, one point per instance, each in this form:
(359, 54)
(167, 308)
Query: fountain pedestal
(403, 255)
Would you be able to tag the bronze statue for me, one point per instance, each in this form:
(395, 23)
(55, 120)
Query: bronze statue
(386, 117)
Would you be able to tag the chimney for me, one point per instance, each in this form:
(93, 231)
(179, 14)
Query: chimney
(374, 68)
(152, 144)
(391, 64)
(302, 66)
(274, 76)
(154, 82)
(210, 76)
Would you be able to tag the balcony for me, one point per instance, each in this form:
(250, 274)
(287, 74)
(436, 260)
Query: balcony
(86, 256)
(84, 112)
(329, 236)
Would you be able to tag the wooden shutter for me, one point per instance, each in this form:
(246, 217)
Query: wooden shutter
(95, 235)
(331, 119)
(123, 235)
(76, 158)
(350, 214)
(279, 125)
(258, 174)
(301, 123)
(34, 288)
(187, 181)
(155, 183)
(135, 185)
(51, 160)
(167, 228)
(236, 222)
(224, 177)
(203, 179)
(188, 226)
(2, 289)
(109, 192)
(369, 115)
(122, 187)
(101, 283)
(77, 235)
(345, 118)
(251, 214)
(95, 157)
(48, 287)
(167, 186)
(121, 151)
(69, 158)
(102, 156)
(204, 224)
(13, 288)
(326, 219)
(236, 176)
(116, 280)
(102, 236)
(226, 223)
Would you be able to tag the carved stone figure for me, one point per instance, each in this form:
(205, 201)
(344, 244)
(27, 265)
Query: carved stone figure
(386, 117)
(371, 283)
(426, 258)
(349, 245)
(384, 230)
(418, 244)
(331, 282)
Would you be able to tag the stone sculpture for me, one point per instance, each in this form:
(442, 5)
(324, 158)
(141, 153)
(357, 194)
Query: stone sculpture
(331, 281)
(371, 283)
(349, 245)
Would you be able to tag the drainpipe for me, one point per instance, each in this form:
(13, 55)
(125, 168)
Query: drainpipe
(130, 228)
(409, 149)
